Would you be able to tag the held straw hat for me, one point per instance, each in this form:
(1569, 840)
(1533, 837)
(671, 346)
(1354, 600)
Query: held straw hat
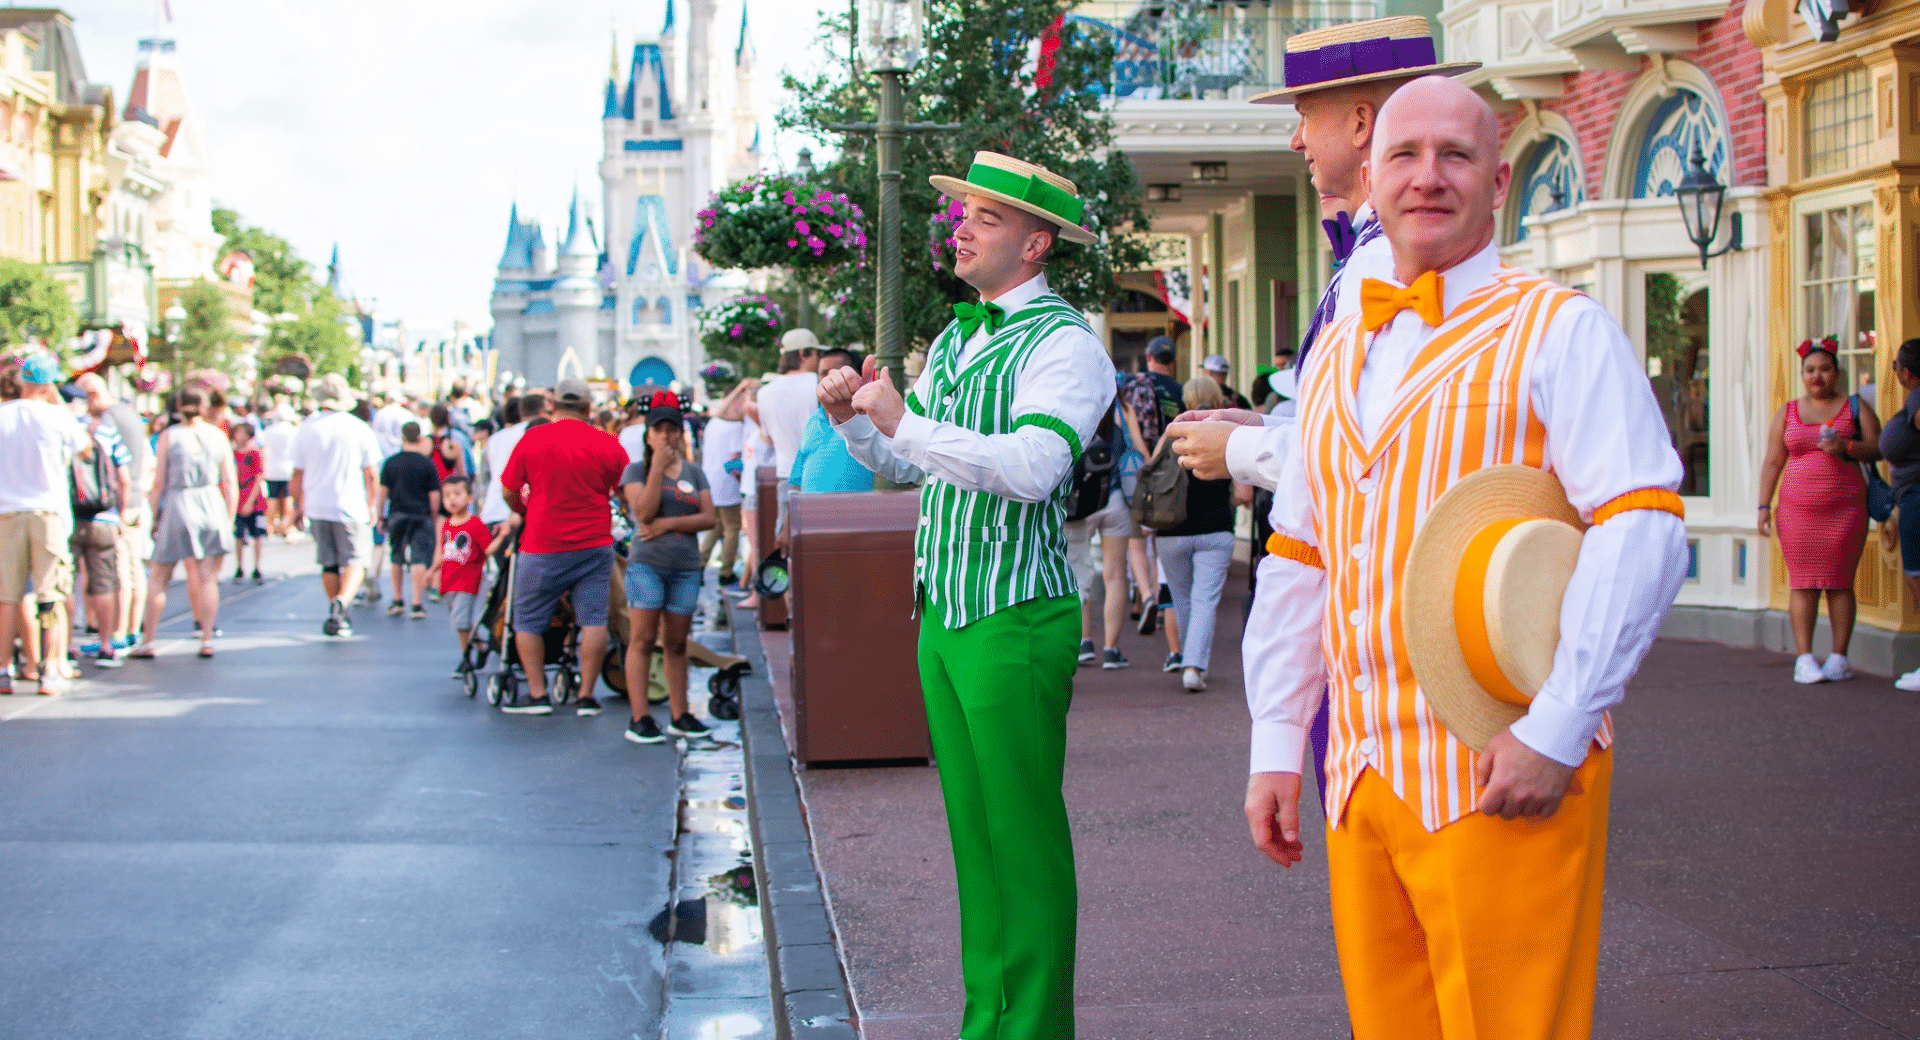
(1483, 583)
(1046, 195)
(1360, 52)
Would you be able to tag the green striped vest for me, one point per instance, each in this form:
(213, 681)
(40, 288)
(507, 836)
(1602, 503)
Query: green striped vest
(977, 553)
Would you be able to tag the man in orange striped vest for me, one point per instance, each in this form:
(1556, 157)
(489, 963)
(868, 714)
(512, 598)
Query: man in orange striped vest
(1465, 887)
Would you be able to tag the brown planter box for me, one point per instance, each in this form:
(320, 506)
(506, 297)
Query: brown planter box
(856, 675)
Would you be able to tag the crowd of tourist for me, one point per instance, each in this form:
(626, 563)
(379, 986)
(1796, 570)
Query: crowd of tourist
(100, 506)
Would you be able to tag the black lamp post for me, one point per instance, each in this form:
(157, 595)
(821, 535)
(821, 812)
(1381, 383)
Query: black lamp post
(1701, 198)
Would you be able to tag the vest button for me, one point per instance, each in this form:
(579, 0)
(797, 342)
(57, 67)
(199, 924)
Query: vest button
(1363, 684)
(1359, 550)
(1366, 746)
(1365, 485)
(926, 521)
(1354, 618)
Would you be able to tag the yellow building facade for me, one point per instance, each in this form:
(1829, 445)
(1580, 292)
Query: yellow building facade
(1843, 165)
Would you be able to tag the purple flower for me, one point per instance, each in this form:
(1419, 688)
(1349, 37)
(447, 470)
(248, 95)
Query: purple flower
(801, 226)
(772, 324)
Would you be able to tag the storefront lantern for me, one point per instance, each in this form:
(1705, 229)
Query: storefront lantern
(1701, 198)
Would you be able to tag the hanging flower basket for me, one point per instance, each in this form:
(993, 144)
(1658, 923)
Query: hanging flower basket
(779, 222)
(750, 322)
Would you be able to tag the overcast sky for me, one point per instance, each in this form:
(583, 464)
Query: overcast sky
(403, 128)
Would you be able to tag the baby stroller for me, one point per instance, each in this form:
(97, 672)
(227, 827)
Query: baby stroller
(561, 657)
(491, 632)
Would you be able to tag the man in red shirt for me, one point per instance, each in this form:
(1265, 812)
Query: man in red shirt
(561, 477)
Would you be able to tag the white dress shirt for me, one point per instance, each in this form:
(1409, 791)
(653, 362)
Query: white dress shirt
(1068, 376)
(1605, 437)
(494, 508)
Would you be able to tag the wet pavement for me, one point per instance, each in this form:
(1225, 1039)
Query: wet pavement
(1763, 881)
(307, 837)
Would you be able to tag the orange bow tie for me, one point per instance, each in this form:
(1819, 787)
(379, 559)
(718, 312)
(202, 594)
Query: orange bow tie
(1380, 301)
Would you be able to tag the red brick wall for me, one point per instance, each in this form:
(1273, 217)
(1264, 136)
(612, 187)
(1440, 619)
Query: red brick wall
(1592, 103)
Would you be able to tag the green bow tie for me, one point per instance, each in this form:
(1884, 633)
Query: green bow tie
(972, 315)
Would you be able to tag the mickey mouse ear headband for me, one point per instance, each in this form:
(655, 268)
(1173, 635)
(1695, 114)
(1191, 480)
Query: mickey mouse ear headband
(1826, 343)
(665, 407)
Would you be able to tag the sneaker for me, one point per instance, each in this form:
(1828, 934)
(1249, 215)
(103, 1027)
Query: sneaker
(687, 726)
(1088, 654)
(1806, 670)
(1165, 597)
(396, 608)
(1193, 679)
(336, 616)
(418, 613)
(123, 643)
(1173, 663)
(1836, 668)
(586, 706)
(239, 575)
(644, 730)
(1908, 682)
(52, 684)
(1113, 660)
(543, 706)
(6, 683)
(257, 579)
(1149, 619)
(106, 659)
(433, 595)
(89, 649)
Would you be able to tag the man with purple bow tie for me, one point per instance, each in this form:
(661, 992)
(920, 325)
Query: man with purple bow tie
(1337, 79)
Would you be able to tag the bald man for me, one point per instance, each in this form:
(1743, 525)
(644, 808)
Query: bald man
(1465, 887)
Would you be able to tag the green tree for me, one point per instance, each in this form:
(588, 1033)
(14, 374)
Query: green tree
(319, 336)
(34, 305)
(978, 74)
(282, 282)
(207, 337)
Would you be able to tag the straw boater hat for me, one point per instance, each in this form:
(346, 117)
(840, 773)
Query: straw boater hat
(1048, 196)
(1360, 52)
(1481, 610)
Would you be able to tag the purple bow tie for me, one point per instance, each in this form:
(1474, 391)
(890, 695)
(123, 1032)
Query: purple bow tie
(1342, 236)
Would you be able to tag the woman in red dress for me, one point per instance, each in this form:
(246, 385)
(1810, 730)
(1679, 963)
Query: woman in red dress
(1822, 514)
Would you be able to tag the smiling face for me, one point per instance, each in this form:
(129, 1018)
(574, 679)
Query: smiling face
(997, 246)
(1819, 374)
(1334, 130)
(1436, 176)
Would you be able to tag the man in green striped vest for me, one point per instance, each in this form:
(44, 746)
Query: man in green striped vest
(1010, 392)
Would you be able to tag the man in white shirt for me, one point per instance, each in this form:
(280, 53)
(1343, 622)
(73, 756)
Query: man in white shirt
(494, 511)
(387, 422)
(1465, 885)
(336, 462)
(276, 443)
(36, 513)
(786, 403)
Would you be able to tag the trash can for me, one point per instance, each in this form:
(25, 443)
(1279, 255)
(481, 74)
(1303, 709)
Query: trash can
(773, 611)
(856, 675)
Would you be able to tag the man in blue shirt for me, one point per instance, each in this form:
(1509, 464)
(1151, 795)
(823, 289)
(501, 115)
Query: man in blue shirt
(823, 465)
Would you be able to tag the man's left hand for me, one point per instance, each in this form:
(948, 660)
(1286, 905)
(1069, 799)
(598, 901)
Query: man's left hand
(1516, 780)
(1202, 447)
(881, 403)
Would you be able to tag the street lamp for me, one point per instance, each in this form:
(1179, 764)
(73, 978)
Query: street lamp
(176, 320)
(892, 37)
(1701, 198)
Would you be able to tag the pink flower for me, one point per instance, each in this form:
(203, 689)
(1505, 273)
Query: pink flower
(793, 243)
(860, 241)
(828, 210)
(816, 244)
(772, 324)
(801, 226)
(834, 230)
(799, 211)
(735, 332)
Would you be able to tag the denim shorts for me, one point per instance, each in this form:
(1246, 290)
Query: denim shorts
(654, 588)
(540, 578)
(1910, 532)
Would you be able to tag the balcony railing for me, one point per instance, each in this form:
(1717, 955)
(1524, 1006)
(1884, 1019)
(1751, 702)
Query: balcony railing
(1187, 49)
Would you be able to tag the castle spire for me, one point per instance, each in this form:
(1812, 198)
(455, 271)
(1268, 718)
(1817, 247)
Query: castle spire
(668, 27)
(579, 242)
(333, 271)
(743, 51)
(611, 109)
(510, 257)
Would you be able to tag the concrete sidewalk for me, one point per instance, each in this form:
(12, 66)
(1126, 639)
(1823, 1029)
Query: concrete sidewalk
(1764, 869)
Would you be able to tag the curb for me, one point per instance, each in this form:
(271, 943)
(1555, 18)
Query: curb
(803, 954)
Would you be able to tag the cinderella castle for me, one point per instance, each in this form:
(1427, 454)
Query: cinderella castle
(621, 299)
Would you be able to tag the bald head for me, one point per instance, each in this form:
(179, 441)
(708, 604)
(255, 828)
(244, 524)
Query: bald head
(98, 398)
(1435, 175)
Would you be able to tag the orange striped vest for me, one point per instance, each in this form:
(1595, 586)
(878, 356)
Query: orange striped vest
(1464, 405)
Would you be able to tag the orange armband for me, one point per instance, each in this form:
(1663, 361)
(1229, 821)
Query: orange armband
(1646, 498)
(1293, 549)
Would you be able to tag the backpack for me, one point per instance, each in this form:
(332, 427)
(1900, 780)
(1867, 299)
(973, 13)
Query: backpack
(1092, 475)
(1160, 499)
(91, 481)
(1137, 391)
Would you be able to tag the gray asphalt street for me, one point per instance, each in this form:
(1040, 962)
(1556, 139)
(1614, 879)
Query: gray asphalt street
(307, 837)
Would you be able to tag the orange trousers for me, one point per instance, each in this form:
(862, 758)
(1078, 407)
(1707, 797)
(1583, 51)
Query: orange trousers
(1487, 929)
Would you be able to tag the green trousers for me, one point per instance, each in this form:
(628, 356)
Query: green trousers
(997, 693)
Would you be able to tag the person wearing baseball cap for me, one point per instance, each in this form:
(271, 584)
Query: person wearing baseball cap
(786, 403)
(1216, 368)
(36, 509)
(336, 466)
(560, 477)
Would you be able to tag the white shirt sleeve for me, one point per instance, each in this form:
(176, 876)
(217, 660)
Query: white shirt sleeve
(1286, 672)
(1067, 382)
(1605, 437)
(1254, 453)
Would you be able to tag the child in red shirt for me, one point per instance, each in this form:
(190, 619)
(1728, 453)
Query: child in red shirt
(249, 518)
(460, 558)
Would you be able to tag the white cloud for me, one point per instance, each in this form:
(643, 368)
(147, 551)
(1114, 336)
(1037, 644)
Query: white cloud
(404, 128)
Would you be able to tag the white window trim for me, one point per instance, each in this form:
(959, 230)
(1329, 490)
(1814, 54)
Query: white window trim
(1819, 202)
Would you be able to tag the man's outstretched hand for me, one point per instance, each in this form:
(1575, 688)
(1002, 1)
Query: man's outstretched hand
(1516, 780)
(836, 392)
(1202, 446)
(1273, 815)
(879, 401)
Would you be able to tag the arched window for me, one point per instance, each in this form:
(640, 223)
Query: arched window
(639, 308)
(1548, 179)
(666, 310)
(1680, 123)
